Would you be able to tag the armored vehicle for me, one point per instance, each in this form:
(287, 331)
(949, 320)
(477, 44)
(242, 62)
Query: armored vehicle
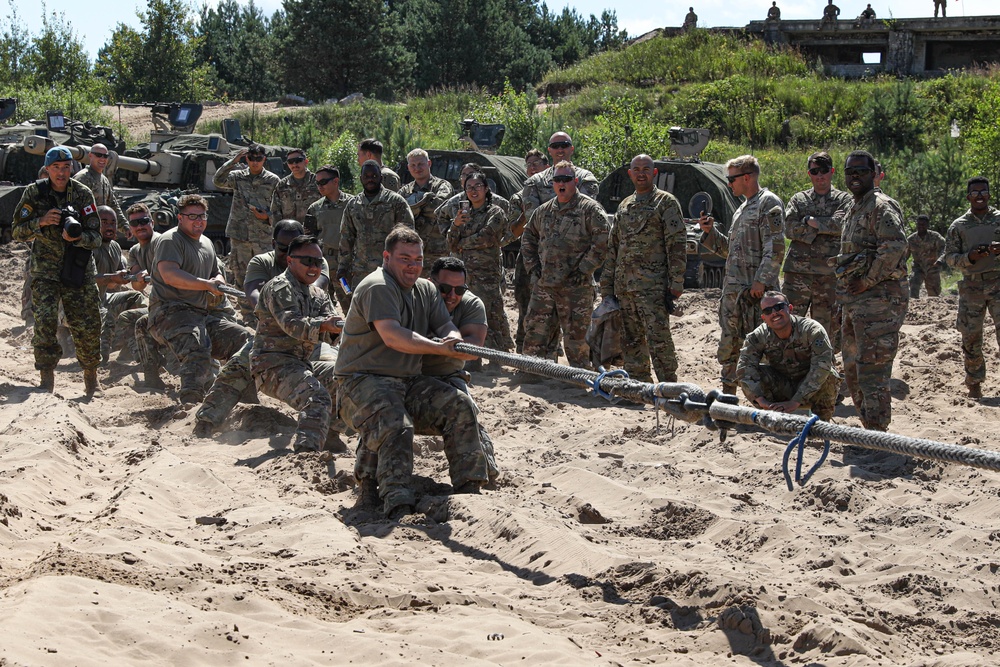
(699, 187)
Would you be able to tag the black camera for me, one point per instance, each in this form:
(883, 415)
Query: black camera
(70, 224)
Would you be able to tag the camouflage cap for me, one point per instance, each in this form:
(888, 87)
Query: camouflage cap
(57, 154)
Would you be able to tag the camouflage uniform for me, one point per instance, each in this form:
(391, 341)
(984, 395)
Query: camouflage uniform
(104, 194)
(426, 220)
(235, 381)
(477, 243)
(382, 395)
(873, 234)
(979, 289)
(810, 282)
(323, 219)
(289, 316)
(521, 281)
(363, 231)
(926, 253)
(390, 179)
(248, 236)
(753, 252)
(563, 245)
(292, 198)
(80, 304)
(646, 259)
(799, 368)
(108, 259)
(196, 325)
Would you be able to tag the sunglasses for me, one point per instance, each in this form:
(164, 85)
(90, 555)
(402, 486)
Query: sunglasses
(776, 308)
(732, 179)
(562, 179)
(459, 290)
(307, 260)
(295, 160)
(321, 182)
(99, 156)
(194, 216)
(816, 171)
(979, 193)
(139, 222)
(255, 158)
(560, 144)
(857, 171)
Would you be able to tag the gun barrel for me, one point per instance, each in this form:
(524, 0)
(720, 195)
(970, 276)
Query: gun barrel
(37, 145)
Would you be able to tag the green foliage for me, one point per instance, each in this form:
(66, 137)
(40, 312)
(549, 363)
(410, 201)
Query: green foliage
(238, 43)
(893, 118)
(517, 112)
(983, 134)
(343, 154)
(930, 182)
(79, 102)
(623, 131)
(56, 55)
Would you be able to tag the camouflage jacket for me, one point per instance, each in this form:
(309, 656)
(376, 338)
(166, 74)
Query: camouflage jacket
(564, 244)
(538, 189)
(646, 246)
(323, 218)
(925, 251)
(291, 198)
(248, 190)
(425, 220)
(390, 179)
(289, 316)
(805, 357)
(108, 259)
(477, 243)
(873, 242)
(104, 194)
(810, 248)
(48, 246)
(755, 245)
(966, 233)
(363, 231)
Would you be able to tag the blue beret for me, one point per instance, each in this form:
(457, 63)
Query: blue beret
(57, 154)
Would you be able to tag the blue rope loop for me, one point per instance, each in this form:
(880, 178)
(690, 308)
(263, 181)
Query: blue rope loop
(799, 441)
(596, 384)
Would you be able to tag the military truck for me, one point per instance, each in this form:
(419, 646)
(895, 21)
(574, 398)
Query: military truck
(699, 187)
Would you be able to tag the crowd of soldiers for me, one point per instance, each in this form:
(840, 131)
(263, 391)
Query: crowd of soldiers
(382, 363)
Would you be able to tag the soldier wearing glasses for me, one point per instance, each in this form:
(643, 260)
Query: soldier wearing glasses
(249, 226)
(425, 193)
(972, 245)
(93, 177)
(753, 252)
(873, 291)
(294, 193)
(799, 369)
(184, 306)
(813, 222)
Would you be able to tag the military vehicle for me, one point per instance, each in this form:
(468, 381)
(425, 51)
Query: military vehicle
(699, 187)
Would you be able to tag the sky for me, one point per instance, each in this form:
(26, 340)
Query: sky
(94, 26)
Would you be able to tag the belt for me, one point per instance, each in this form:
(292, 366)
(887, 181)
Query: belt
(985, 276)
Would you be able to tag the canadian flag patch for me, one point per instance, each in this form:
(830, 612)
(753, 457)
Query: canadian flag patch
(89, 210)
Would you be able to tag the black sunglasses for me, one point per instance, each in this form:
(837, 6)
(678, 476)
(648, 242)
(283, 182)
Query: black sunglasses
(459, 290)
(309, 261)
(776, 308)
(562, 179)
(295, 160)
(560, 144)
(732, 179)
(321, 182)
(816, 171)
(979, 193)
(255, 158)
(100, 156)
(139, 222)
(857, 171)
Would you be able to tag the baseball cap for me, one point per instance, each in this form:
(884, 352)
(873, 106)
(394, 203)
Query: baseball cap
(57, 154)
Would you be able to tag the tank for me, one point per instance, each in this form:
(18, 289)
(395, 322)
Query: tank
(699, 187)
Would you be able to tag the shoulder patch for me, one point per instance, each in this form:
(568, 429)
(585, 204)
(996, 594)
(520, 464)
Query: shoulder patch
(89, 209)
(26, 210)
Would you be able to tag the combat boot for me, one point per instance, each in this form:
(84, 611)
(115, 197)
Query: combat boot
(728, 388)
(48, 382)
(975, 391)
(91, 384)
(368, 495)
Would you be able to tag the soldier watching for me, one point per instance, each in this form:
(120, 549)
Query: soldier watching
(830, 13)
(799, 369)
(644, 272)
(753, 252)
(872, 290)
(368, 219)
(104, 194)
(371, 149)
(62, 267)
(926, 247)
(425, 193)
(972, 246)
(294, 193)
(564, 243)
(535, 162)
(323, 220)
(538, 189)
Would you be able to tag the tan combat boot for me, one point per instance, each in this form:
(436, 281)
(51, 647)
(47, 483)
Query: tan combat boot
(48, 382)
(91, 384)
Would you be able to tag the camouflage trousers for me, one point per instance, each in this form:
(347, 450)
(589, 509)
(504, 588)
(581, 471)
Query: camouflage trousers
(778, 388)
(572, 306)
(929, 276)
(522, 296)
(114, 336)
(149, 351)
(815, 295)
(196, 338)
(645, 334)
(82, 307)
(739, 314)
(386, 411)
(240, 254)
(498, 333)
(975, 298)
(303, 386)
(870, 335)
(233, 384)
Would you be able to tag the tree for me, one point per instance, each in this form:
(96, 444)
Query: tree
(57, 55)
(15, 50)
(238, 43)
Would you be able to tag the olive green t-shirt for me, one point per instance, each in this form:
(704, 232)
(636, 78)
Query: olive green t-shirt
(470, 310)
(379, 297)
(197, 257)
